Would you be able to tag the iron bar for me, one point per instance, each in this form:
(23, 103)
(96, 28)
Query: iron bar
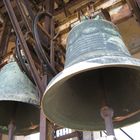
(100, 133)
(11, 128)
(107, 114)
(44, 123)
(22, 62)
(50, 9)
(22, 13)
(52, 53)
(126, 134)
(24, 45)
(44, 31)
(46, 128)
(5, 37)
(0, 134)
(29, 9)
(43, 130)
(40, 49)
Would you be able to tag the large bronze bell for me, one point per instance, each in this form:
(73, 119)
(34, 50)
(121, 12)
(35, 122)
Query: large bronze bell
(19, 101)
(99, 71)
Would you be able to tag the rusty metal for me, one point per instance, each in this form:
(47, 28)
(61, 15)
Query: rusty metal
(107, 114)
(52, 49)
(11, 129)
(28, 6)
(40, 49)
(49, 9)
(22, 13)
(5, 37)
(0, 135)
(23, 44)
(21, 61)
(45, 32)
(45, 126)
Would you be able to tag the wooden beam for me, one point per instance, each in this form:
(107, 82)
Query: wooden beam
(58, 2)
(97, 7)
(122, 14)
(108, 4)
(133, 4)
(68, 5)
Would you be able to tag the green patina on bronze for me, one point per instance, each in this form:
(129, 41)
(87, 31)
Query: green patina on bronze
(98, 71)
(19, 100)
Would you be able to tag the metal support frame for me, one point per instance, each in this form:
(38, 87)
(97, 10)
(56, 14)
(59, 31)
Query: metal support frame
(0, 134)
(107, 114)
(46, 129)
(11, 128)
(5, 37)
(22, 13)
(28, 6)
(45, 125)
(23, 45)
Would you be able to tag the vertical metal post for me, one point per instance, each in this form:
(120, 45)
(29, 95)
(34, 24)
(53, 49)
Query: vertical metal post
(52, 45)
(0, 134)
(126, 134)
(11, 128)
(107, 114)
(5, 37)
(46, 128)
(42, 126)
(50, 9)
(45, 125)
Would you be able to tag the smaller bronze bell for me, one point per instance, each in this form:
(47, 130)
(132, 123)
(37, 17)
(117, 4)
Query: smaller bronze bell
(99, 71)
(19, 101)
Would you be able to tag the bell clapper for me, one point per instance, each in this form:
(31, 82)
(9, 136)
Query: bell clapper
(107, 114)
(11, 129)
(12, 126)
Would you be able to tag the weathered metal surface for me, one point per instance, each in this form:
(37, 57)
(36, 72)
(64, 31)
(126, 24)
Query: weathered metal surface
(99, 71)
(16, 88)
(11, 129)
(94, 39)
(46, 130)
(107, 114)
(23, 44)
(5, 37)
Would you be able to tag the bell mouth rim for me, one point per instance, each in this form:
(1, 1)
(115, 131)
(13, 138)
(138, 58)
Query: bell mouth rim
(69, 72)
(91, 64)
